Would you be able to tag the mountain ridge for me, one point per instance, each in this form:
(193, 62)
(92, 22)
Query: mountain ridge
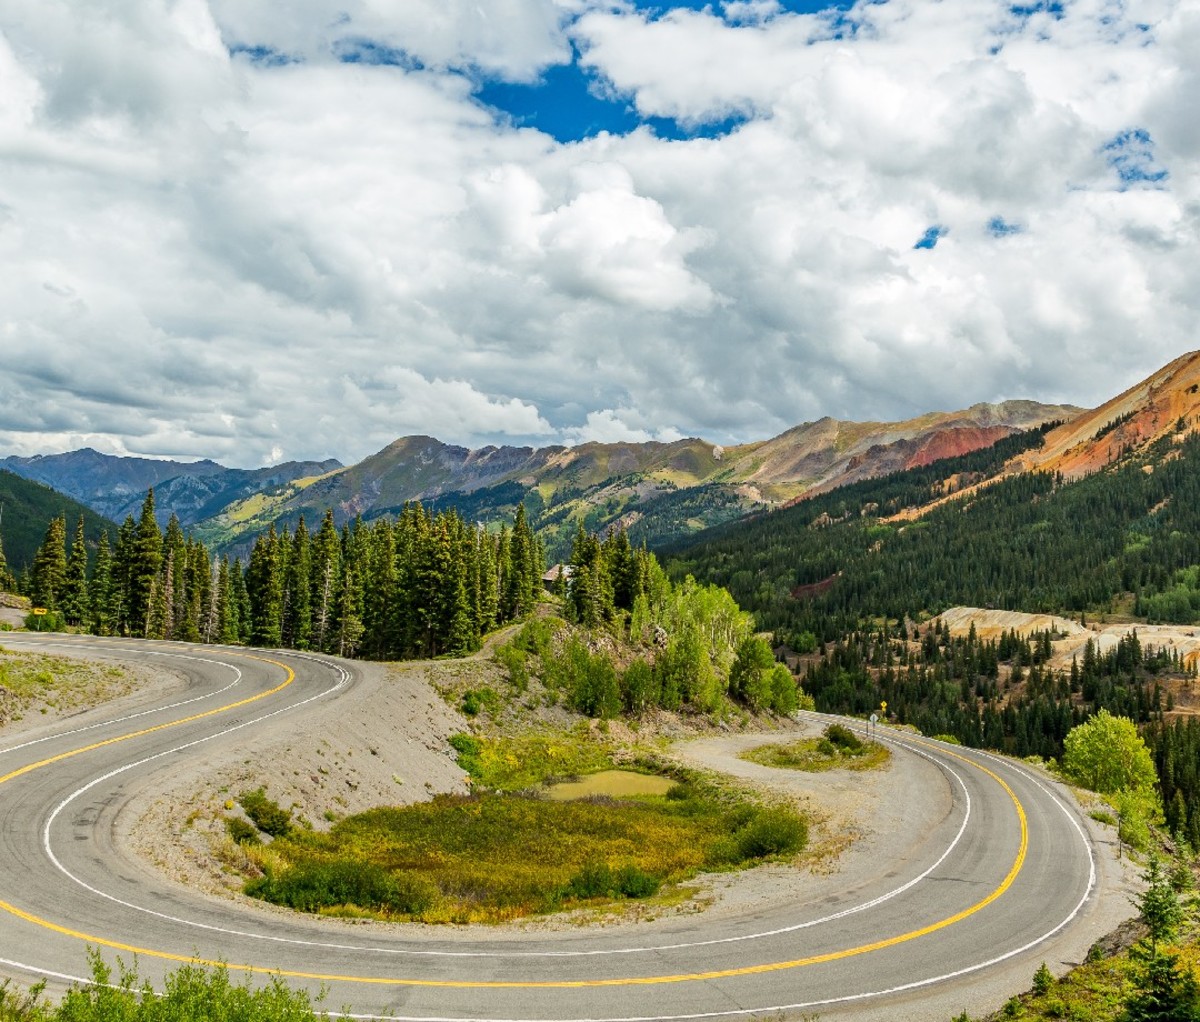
(626, 483)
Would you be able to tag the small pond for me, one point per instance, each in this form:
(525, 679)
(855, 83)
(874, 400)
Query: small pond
(616, 783)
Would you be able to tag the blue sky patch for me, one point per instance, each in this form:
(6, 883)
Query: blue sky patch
(932, 236)
(565, 105)
(998, 227)
(787, 6)
(1052, 7)
(263, 56)
(1131, 155)
(359, 50)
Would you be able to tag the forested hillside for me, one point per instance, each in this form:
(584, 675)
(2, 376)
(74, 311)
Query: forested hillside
(27, 507)
(425, 585)
(1026, 542)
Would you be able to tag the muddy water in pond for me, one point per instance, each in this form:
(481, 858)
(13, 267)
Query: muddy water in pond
(611, 782)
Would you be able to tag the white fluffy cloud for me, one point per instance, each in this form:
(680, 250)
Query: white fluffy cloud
(220, 237)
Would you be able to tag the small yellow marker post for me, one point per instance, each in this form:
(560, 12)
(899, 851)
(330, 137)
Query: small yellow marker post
(39, 613)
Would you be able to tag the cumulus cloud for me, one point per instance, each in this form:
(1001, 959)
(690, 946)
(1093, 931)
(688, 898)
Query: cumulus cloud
(229, 229)
(612, 426)
(513, 38)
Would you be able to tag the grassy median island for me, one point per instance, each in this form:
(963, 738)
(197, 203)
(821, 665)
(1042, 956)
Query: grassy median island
(43, 682)
(837, 748)
(498, 855)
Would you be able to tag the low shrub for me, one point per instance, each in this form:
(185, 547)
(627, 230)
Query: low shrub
(476, 699)
(241, 831)
(51, 621)
(599, 880)
(312, 885)
(772, 831)
(16, 1006)
(843, 738)
(192, 992)
(515, 662)
(265, 813)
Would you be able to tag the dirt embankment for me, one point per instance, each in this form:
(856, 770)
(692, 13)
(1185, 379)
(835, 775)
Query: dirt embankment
(385, 742)
(1072, 636)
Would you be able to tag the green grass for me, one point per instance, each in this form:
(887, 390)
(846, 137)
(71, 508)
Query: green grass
(493, 857)
(527, 761)
(817, 754)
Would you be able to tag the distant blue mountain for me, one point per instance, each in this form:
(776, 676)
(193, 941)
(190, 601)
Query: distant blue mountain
(115, 486)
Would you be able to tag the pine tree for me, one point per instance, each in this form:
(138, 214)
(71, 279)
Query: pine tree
(48, 573)
(145, 563)
(74, 599)
(264, 583)
(7, 583)
(326, 569)
(102, 611)
(1163, 993)
(297, 621)
(175, 579)
(349, 624)
(524, 569)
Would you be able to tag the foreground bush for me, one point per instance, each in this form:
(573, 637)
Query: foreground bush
(311, 886)
(192, 993)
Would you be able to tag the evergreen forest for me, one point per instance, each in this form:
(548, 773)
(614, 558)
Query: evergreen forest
(1028, 542)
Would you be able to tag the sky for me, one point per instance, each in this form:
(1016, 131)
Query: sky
(257, 231)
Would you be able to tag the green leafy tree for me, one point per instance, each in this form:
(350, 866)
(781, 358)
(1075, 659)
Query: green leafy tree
(1106, 754)
(750, 679)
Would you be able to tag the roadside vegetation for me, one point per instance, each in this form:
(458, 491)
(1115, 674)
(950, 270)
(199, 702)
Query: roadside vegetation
(192, 992)
(39, 682)
(506, 851)
(1154, 980)
(838, 748)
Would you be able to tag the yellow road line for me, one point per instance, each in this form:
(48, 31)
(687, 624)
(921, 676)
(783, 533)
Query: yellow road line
(749, 970)
(289, 678)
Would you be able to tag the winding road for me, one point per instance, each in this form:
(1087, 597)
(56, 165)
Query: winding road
(1009, 867)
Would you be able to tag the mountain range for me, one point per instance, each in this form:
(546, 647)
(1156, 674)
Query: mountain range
(657, 490)
(661, 492)
(116, 486)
